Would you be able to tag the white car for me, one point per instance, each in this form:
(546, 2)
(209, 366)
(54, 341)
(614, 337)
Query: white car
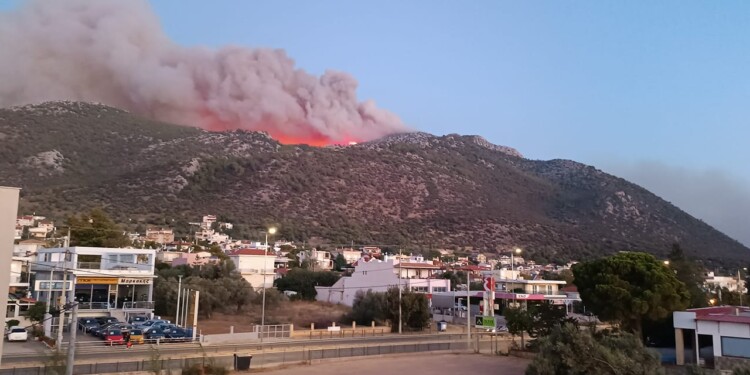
(17, 334)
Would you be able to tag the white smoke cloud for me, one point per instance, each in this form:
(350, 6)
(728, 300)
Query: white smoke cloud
(115, 52)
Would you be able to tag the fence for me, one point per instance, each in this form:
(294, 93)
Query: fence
(262, 358)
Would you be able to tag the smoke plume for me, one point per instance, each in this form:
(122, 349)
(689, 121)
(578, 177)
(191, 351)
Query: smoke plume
(115, 52)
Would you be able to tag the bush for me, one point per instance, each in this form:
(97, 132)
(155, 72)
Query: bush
(210, 369)
(12, 323)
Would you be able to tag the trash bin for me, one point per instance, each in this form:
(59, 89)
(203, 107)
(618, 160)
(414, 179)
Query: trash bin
(242, 362)
(442, 326)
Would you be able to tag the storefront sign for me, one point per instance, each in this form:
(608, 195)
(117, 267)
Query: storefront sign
(134, 281)
(96, 280)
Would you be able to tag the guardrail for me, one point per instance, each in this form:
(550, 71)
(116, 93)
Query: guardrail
(260, 358)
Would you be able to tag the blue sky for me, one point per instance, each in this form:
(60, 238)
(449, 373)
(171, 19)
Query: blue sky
(655, 92)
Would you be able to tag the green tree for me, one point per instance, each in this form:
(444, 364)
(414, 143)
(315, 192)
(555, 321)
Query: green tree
(340, 262)
(690, 273)
(569, 351)
(368, 307)
(456, 278)
(303, 281)
(545, 316)
(241, 292)
(415, 311)
(629, 287)
(519, 321)
(36, 312)
(96, 229)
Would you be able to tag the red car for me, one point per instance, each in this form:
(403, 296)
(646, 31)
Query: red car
(113, 337)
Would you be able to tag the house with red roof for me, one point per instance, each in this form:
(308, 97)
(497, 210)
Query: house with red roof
(721, 334)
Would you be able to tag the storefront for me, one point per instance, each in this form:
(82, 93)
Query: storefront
(112, 292)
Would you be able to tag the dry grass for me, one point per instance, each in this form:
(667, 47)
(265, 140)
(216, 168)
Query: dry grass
(299, 313)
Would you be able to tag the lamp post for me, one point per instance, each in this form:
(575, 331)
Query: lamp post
(513, 272)
(270, 231)
(179, 290)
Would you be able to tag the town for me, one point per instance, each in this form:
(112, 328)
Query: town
(154, 288)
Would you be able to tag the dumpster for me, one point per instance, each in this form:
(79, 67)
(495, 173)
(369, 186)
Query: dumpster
(242, 362)
(442, 326)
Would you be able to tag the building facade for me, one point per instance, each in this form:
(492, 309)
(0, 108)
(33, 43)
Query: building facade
(722, 335)
(255, 266)
(378, 276)
(104, 281)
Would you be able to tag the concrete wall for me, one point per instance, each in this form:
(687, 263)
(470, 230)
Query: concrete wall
(8, 214)
(229, 338)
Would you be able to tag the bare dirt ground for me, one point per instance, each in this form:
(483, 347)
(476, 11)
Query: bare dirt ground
(474, 364)
(299, 313)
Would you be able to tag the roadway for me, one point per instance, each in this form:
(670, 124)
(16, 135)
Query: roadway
(34, 353)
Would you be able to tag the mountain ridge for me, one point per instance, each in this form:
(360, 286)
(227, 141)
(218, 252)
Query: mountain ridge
(409, 189)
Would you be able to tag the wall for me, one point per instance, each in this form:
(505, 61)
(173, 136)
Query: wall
(8, 214)
(229, 338)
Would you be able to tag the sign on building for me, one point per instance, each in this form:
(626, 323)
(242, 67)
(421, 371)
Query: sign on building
(134, 281)
(96, 280)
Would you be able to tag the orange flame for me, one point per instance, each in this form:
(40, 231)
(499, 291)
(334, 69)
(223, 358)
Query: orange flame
(312, 139)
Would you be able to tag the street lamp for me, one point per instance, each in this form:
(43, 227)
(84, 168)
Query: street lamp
(666, 263)
(271, 231)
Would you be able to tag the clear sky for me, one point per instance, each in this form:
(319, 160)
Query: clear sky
(656, 92)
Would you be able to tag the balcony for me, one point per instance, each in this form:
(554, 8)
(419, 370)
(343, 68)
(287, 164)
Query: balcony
(93, 306)
(113, 266)
(138, 305)
(89, 265)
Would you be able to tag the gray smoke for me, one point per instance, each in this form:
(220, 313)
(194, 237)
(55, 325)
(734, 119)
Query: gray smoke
(115, 52)
(716, 197)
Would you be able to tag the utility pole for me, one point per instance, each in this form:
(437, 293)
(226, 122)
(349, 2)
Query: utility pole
(179, 289)
(61, 304)
(468, 310)
(400, 323)
(195, 313)
(70, 363)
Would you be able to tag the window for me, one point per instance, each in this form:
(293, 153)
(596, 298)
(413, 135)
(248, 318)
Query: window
(735, 347)
(549, 289)
(419, 289)
(439, 289)
(535, 289)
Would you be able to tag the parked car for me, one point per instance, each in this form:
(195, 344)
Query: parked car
(160, 325)
(136, 336)
(138, 319)
(154, 334)
(86, 324)
(17, 333)
(99, 331)
(113, 337)
(178, 334)
(147, 324)
(106, 319)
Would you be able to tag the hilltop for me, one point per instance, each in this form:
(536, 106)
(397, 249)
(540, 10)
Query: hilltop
(413, 189)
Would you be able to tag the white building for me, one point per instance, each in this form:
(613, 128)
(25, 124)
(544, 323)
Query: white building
(378, 276)
(722, 334)
(318, 259)
(105, 281)
(350, 255)
(732, 283)
(160, 235)
(256, 266)
(211, 236)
